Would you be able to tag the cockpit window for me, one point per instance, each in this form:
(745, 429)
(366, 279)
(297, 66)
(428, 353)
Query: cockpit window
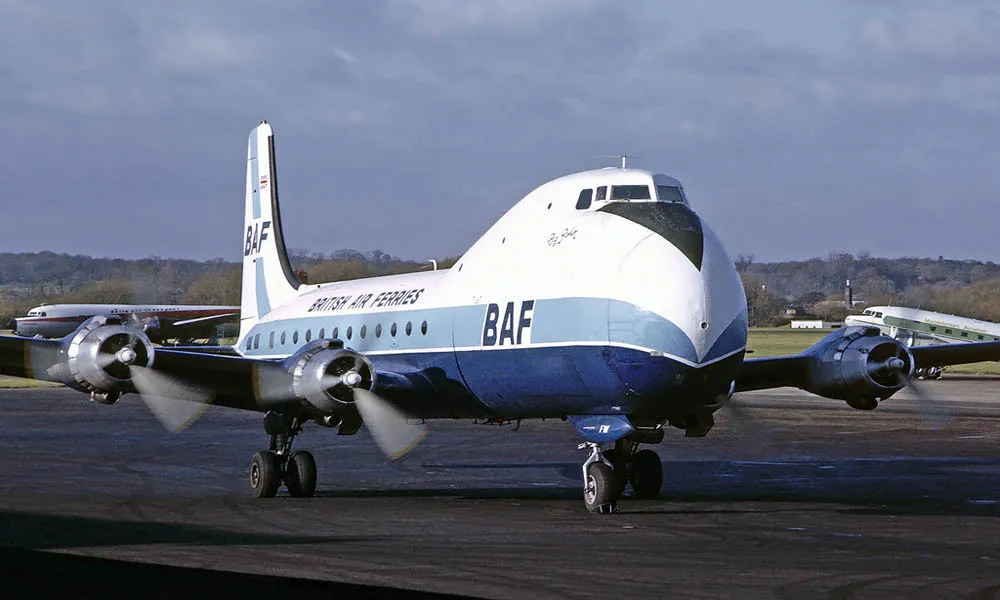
(630, 192)
(669, 193)
(583, 201)
(602, 193)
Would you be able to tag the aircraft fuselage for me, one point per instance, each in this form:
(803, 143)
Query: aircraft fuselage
(630, 308)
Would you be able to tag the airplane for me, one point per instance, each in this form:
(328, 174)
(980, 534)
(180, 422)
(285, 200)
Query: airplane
(160, 322)
(914, 325)
(600, 298)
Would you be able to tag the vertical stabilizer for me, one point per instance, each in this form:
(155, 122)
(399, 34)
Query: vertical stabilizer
(268, 279)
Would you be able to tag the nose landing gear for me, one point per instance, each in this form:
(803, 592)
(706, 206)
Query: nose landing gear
(270, 468)
(605, 475)
(601, 481)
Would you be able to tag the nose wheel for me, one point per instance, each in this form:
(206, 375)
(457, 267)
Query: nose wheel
(270, 468)
(602, 485)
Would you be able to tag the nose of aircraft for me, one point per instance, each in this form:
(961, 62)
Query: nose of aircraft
(699, 310)
(688, 314)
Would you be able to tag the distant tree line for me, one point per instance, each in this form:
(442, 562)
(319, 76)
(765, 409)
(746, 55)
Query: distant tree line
(814, 286)
(27, 280)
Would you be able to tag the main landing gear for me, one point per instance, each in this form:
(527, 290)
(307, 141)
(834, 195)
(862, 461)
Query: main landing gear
(270, 468)
(605, 475)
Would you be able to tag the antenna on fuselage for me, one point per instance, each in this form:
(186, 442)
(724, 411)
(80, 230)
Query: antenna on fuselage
(622, 158)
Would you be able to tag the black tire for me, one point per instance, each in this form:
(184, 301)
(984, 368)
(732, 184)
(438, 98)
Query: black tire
(646, 474)
(620, 463)
(603, 489)
(265, 474)
(300, 475)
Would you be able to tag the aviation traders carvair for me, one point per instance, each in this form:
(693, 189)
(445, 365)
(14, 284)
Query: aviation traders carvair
(600, 298)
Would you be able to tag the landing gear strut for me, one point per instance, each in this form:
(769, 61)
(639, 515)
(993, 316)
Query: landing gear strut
(269, 468)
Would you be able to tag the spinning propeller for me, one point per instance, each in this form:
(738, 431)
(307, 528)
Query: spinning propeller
(894, 371)
(175, 403)
(347, 379)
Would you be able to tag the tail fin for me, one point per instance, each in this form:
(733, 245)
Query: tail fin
(268, 278)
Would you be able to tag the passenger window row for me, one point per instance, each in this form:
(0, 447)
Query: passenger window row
(253, 342)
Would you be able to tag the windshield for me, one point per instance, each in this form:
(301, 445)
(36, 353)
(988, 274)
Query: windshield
(669, 193)
(630, 192)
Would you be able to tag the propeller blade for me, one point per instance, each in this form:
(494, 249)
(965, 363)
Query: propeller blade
(106, 359)
(176, 404)
(389, 427)
(933, 413)
(753, 434)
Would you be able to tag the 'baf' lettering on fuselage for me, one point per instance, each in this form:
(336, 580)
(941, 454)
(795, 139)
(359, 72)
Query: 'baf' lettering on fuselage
(508, 324)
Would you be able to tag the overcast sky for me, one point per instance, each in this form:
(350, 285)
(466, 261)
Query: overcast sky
(799, 128)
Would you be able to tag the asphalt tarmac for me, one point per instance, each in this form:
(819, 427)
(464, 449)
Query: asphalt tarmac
(790, 496)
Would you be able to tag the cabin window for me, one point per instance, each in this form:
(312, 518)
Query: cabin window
(630, 192)
(947, 331)
(965, 334)
(392, 330)
(350, 330)
(309, 335)
(282, 338)
(423, 328)
(256, 341)
(980, 337)
(602, 193)
(250, 342)
(378, 330)
(270, 341)
(295, 337)
(933, 328)
(669, 193)
(583, 201)
(336, 332)
(409, 327)
(364, 331)
(321, 334)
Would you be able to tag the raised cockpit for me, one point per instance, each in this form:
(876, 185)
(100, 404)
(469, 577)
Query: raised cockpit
(595, 189)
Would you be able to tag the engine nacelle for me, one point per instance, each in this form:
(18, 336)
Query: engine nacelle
(99, 355)
(324, 374)
(860, 366)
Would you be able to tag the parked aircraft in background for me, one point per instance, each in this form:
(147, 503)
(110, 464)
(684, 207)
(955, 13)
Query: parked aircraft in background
(600, 298)
(913, 326)
(160, 322)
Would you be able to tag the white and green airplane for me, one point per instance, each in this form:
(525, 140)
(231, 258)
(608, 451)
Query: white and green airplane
(914, 326)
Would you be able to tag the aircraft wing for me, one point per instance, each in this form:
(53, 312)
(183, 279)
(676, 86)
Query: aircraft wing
(941, 355)
(855, 364)
(108, 359)
(765, 373)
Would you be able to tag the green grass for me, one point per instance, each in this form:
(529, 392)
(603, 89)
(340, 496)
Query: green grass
(781, 341)
(17, 382)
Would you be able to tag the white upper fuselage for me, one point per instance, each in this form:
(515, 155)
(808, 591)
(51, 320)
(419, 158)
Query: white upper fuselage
(546, 275)
(902, 322)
